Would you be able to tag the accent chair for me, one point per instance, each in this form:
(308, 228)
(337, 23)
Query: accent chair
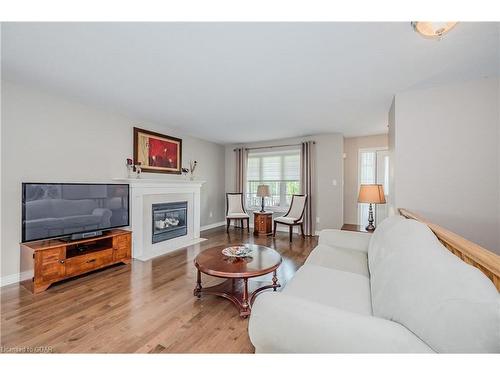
(235, 210)
(294, 216)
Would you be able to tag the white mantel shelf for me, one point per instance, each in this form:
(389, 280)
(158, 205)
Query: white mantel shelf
(142, 190)
(154, 182)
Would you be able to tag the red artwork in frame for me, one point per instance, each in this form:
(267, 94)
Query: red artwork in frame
(157, 153)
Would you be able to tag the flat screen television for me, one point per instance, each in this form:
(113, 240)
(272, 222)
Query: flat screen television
(72, 210)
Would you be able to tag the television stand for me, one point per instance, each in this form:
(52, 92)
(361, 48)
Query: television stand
(56, 260)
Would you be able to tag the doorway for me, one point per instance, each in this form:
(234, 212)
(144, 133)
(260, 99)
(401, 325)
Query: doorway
(373, 168)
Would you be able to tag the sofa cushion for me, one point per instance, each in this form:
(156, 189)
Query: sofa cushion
(377, 249)
(339, 258)
(330, 287)
(281, 323)
(415, 281)
(346, 239)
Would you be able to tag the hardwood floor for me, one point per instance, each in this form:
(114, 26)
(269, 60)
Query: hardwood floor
(146, 307)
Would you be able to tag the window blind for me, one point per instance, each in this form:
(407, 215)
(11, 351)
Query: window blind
(280, 169)
(291, 169)
(271, 168)
(253, 168)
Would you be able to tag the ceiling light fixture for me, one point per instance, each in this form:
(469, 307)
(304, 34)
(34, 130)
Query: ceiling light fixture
(433, 30)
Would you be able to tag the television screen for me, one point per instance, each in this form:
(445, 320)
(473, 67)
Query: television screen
(56, 210)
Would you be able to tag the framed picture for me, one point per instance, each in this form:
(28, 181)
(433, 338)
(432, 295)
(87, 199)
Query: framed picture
(157, 153)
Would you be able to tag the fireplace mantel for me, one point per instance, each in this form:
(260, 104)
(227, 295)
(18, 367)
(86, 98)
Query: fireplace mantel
(155, 182)
(146, 191)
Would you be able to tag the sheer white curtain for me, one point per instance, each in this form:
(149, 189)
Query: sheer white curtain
(373, 169)
(367, 175)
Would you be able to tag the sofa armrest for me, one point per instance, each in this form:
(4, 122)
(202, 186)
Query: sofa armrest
(346, 239)
(281, 323)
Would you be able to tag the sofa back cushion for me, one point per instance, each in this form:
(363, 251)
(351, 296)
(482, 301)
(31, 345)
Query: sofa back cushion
(376, 248)
(415, 281)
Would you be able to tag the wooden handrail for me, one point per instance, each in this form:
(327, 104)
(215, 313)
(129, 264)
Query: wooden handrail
(471, 253)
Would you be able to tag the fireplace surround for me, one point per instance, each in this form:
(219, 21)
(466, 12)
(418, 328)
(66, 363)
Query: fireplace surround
(144, 193)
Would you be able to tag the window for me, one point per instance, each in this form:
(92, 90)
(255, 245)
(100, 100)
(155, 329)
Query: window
(278, 169)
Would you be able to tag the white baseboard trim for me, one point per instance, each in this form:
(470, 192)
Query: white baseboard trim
(15, 278)
(213, 225)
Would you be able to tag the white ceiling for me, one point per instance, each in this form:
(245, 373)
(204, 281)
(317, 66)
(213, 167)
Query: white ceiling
(241, 82)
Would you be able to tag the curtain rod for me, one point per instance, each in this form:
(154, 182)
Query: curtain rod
(259, 148)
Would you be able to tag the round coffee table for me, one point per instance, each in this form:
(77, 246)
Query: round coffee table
(262, 261)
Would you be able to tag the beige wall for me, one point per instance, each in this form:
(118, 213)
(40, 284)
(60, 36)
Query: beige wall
(329, 167)
(351, 149)
(47, 138)
(446, 148)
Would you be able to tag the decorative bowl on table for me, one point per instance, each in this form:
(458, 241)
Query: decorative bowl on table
(237, 251)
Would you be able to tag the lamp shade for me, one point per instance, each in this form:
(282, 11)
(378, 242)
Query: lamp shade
(263, 191)
(373, 193)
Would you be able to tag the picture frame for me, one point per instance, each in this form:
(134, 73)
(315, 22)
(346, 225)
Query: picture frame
(157, 153)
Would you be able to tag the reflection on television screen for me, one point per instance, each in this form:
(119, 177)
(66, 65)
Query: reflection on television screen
(53, 210)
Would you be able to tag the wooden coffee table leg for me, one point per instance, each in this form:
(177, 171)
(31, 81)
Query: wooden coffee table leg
(245, 307)
(275, 281)
(197, 290)
(236, 293)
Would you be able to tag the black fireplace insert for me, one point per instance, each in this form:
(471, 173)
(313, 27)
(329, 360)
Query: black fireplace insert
(169, 221)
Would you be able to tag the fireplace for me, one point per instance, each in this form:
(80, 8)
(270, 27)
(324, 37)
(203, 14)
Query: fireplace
(169, 221)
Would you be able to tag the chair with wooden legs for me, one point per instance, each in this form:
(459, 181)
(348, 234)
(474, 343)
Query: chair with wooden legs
(294, 216)
(235, 210)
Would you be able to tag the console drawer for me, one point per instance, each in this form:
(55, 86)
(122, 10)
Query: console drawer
(88, 262)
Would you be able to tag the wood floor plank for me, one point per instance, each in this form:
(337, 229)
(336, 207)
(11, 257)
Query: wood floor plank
(145, 307)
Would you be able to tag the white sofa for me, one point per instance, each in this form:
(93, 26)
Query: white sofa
(396, 290)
